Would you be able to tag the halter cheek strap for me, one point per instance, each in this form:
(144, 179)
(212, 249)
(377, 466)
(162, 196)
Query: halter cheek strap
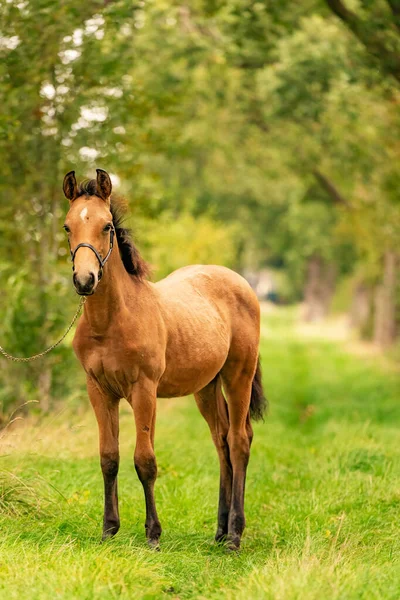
(102, 261)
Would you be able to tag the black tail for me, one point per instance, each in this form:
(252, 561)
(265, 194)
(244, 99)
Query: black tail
(258, 402)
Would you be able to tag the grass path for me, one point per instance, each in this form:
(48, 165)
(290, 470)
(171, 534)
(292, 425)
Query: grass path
(323, 493)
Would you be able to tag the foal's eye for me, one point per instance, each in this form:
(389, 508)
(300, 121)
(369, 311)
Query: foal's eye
(107, 227)
(67, 229)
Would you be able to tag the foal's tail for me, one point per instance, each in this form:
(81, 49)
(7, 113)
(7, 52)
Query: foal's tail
(258, 402)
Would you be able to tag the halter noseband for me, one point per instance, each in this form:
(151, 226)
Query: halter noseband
(102, 261)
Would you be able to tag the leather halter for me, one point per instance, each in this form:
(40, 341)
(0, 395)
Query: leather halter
(102, 261)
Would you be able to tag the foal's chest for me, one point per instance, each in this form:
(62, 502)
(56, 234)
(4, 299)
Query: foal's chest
(112, 363)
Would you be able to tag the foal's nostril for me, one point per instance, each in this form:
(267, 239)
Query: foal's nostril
(84, 285)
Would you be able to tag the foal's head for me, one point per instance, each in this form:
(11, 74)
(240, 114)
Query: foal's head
(90, 228)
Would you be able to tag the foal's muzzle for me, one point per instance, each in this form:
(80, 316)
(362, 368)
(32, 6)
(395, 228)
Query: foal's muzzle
(84, 287)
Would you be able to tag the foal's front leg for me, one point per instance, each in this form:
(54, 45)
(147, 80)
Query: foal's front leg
(143, 401)
(106, 410)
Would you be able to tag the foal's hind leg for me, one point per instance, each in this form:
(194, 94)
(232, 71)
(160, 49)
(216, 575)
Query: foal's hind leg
(212, 406)
(237, 386)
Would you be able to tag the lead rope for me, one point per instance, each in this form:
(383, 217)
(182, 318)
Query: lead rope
(36, 356)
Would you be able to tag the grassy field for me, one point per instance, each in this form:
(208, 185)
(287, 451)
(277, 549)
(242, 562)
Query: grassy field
(322, 505)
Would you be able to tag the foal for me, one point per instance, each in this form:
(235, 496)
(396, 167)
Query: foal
(191, 333)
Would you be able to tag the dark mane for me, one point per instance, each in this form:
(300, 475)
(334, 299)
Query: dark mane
(133, 262)
(87, 188)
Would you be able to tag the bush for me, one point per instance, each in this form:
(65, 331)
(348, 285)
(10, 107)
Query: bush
(173, 242)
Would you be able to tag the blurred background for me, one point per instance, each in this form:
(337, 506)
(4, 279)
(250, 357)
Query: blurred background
(259, 135)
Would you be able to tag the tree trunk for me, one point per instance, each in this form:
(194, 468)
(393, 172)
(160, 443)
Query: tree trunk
(361, 308)
(319, 288)
(385, 302)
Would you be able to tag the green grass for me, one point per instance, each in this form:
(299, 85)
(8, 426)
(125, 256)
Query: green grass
(322, 504)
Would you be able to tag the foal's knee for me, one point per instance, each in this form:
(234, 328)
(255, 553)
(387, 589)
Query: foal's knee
(146, 467)
(109, 465)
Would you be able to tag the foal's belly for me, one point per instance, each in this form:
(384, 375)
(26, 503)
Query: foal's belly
(193, 358)
(181, 381)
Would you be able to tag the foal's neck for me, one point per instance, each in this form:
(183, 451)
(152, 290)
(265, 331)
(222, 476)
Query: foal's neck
(110, 297)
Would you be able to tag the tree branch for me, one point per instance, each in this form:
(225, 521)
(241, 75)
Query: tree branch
(331, 189)
(389, 59)
(341, 11)
(395, 8)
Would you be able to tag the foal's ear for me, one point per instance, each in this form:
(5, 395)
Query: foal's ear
(70, 186)
(104, 185)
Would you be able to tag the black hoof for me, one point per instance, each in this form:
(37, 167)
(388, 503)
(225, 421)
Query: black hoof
(153, 534)
(109, 532)
(154, 544)
(233, 544)
(220, 536)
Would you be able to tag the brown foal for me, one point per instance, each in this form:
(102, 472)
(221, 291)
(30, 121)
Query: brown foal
(194, 332)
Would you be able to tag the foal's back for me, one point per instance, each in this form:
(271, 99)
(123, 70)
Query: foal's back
(217, 285)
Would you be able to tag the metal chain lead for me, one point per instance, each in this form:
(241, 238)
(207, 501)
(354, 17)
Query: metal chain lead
(36, 356)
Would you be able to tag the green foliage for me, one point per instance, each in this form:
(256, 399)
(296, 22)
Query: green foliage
(249, 134)
(171, 242)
